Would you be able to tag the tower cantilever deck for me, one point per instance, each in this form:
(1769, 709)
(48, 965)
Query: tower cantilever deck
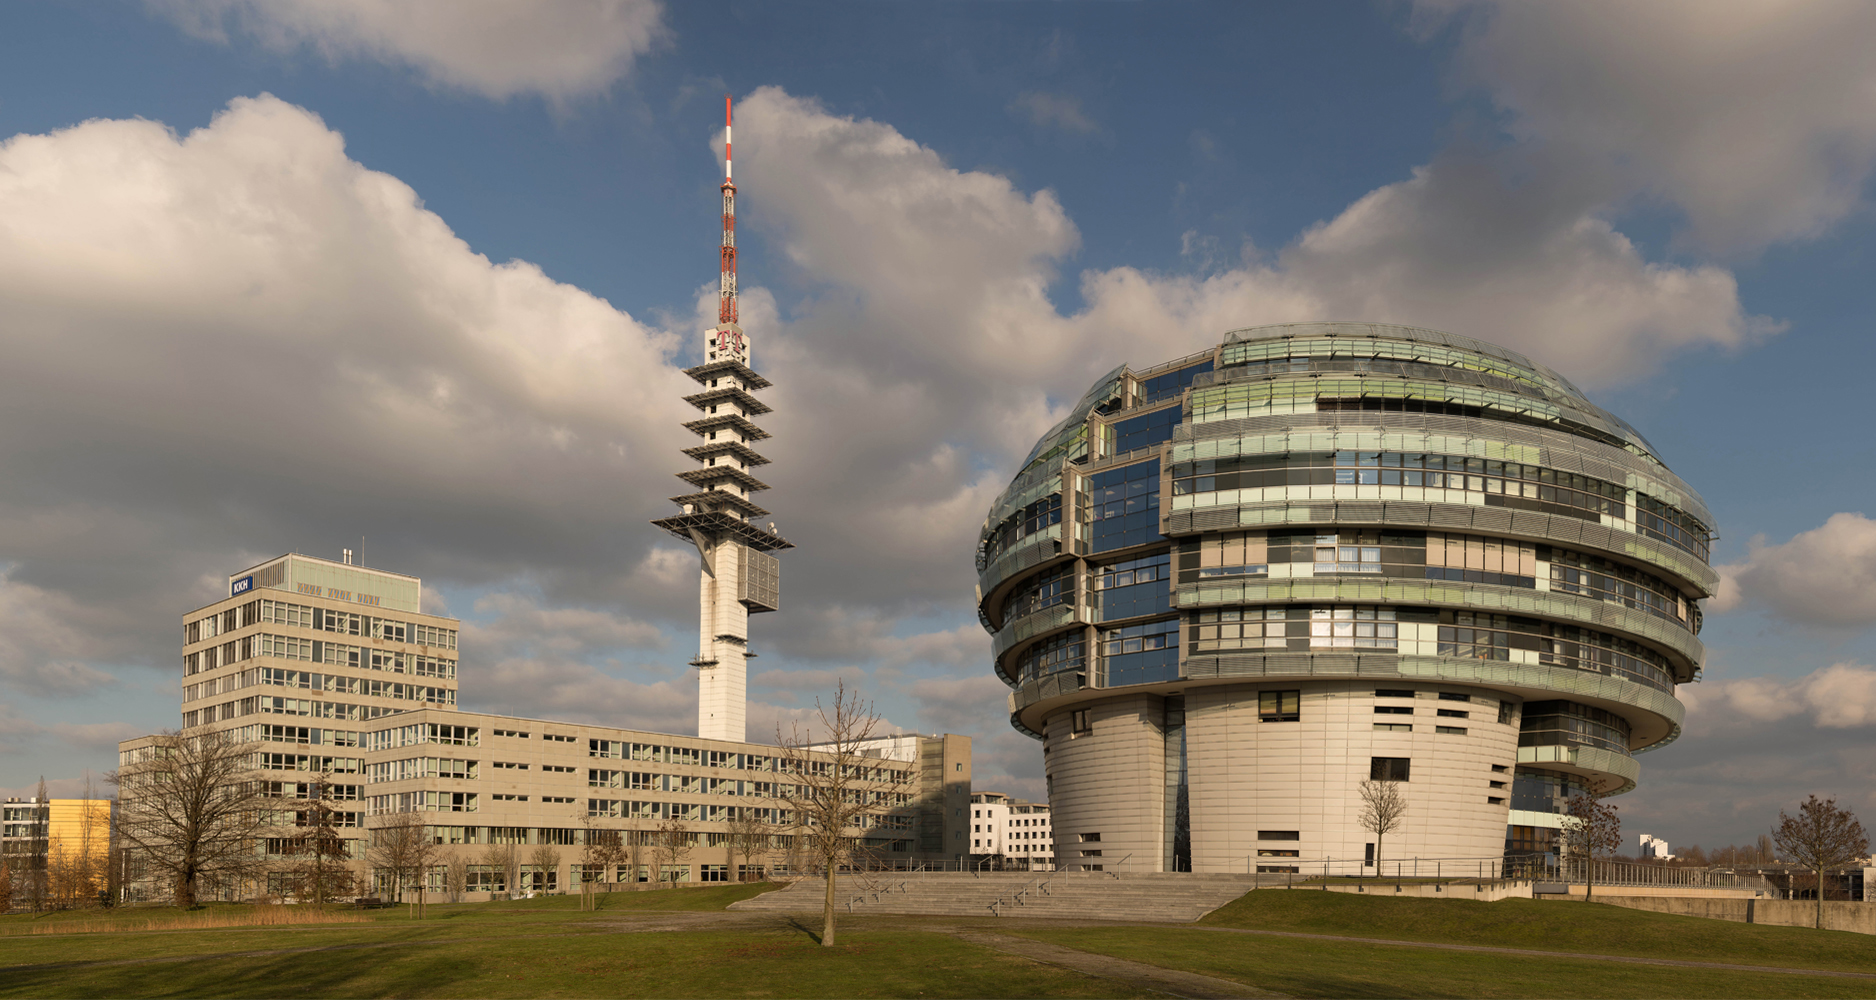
(740, 573)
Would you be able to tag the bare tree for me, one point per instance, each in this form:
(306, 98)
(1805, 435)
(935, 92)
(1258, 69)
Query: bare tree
(670, 845)
(1766, 849)
(403, 849)
(1383, 807)
(610, 852)
(1591, 830)
(39, 851)
(546, 862)
(320, 869)
(1822, 836)
(836, 785)
(6, 887)
(192, 809)
(748, 838)
(458, 879)
(506, 862)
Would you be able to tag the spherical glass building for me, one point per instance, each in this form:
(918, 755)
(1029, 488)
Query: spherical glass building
(1229, 589)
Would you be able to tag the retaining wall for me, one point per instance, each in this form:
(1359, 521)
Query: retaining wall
(1859, 918)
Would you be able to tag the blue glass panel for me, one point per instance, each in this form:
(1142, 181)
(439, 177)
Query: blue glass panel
(1172, 383)
(1148, 430)
(1140, 599)
(1125, 505)
(1143, 668)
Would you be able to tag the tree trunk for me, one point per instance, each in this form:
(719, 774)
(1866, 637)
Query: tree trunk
(827, 924)
(1820, 899)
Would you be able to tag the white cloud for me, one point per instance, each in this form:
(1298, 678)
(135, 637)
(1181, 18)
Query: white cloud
(1825, 576)
(1751, 117)
(1840, 696)
(259, 344)
(559, 49)
(1054, 111)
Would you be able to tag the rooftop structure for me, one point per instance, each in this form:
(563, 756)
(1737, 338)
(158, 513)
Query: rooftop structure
(1228, 590)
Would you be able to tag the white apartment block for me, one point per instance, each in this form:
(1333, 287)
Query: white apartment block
(1011, 829)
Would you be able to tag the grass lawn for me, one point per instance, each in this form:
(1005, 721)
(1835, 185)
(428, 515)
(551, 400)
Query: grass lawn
(1349, 969)
(542, 947)
(1332, 969)
(1550, 925)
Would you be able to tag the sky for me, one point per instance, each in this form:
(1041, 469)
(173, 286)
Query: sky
(420, 278)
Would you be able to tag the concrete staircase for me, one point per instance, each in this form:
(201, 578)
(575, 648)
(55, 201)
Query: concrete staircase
(1170, 897)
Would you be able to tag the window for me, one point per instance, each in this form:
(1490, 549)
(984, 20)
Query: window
(509, 765)
(1506, 712)
(1056, 586)
(1078, 722)
(1334, 558)
(1279, 706)
(1276, 869)
(1496, 784)
(1089, 838)
(1369, 628)
(1278, 854)
(1494, 800)
(1137, 654)
(1393, 727)
(1279, 835)
(1450, 730)
(1451, 713)
(554, 738)
(1566, 723)
(510, 798)
(1036, 517)
(561, 799)
(1499, 769)
(518, 734)
(1393, 710)
(557, 768)
(1388, 768)
(1393, 693)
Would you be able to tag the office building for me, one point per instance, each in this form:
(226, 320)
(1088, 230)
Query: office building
(1228, 590)
(331, 669)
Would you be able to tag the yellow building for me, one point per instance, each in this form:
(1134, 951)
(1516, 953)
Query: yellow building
(58, 851)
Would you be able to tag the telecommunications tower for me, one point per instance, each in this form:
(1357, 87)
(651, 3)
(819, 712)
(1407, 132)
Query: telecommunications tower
(741, 575)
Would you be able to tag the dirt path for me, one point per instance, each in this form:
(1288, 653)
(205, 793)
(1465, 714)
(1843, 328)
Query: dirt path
(1169, 981)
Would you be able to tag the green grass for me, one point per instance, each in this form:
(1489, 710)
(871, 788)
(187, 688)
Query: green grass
(694, 964)
(528, 948)
(1305, 968)
(1313, 968)
(1591, 928)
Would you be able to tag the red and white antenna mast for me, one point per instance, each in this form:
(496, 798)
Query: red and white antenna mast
(726, 290)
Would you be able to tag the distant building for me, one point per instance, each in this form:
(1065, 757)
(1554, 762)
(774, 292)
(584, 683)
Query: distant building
(328, 666)
(1654, 849)
(1008, 828)
(66, 841)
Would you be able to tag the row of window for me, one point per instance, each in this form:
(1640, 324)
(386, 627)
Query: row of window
(268, 705)
(309, 762)
(315, 651)
(1566, 723)
(1019, 526)
(1435, 556)
(319, 619)
(421, 767)
(1235, 356)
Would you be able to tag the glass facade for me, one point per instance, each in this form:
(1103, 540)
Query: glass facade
(1479, 539)
(1123, 505)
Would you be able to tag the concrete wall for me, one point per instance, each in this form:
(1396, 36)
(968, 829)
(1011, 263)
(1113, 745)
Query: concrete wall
(1478, 892)
(1110, 782)
(1858, 918)
(1248, 775)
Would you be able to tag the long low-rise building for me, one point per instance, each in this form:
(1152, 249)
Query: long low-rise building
(347, 694)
